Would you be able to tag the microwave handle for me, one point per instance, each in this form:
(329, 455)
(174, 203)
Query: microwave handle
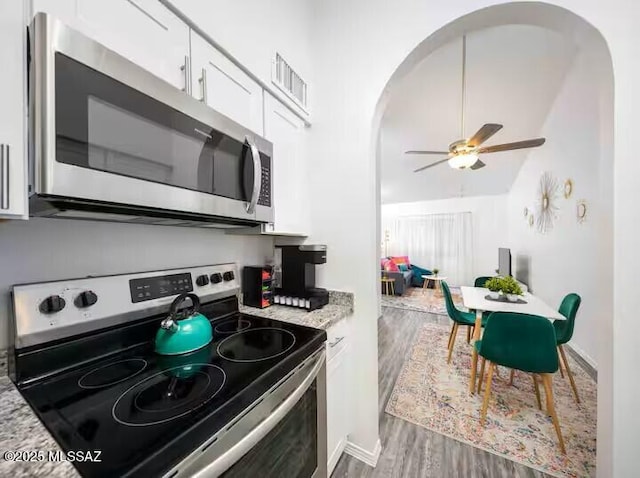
(257, 175)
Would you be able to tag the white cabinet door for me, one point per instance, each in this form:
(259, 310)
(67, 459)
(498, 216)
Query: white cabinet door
(224, 86)
(289, 170)
(13, 110)
(337, 407)
(143, 31)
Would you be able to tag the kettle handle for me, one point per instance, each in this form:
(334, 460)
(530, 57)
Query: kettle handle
(187, 312)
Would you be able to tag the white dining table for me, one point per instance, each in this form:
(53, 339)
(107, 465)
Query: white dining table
(474, 298)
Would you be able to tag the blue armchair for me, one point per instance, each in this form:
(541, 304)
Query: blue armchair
(418, 272)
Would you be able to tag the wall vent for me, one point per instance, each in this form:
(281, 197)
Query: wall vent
(285, 78)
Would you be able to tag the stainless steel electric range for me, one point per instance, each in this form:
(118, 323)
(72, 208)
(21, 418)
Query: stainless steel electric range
(251, 403)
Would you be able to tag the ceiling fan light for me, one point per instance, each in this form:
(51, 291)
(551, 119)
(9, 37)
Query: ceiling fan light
(463, 161)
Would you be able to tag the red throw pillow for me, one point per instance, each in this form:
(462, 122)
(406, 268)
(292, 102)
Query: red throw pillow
(401, 260)
(391, 266)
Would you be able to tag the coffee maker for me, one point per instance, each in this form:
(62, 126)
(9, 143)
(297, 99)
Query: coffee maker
(296, 281)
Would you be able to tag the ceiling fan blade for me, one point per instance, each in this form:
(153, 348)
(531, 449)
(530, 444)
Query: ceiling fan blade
(431, 165)
(477, 165)
(413, 151)
(484, 134)
(530, 143)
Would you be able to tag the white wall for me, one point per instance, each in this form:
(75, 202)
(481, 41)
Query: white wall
(254, 30)
(488, 218)
(572, 257)
(52, 249)
(360, 46)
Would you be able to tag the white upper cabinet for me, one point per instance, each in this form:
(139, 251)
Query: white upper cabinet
(290, 179)
(13, 109)
(143, 31)
(223, 86)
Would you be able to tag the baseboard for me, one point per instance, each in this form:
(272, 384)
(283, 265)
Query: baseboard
(583, 355)
(335, 456)
(365, 456)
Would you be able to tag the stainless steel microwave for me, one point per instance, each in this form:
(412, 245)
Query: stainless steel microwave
(110, 141)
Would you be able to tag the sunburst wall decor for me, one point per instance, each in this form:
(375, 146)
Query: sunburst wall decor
(547, 198)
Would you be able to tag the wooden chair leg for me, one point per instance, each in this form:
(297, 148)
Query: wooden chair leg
(469, 334)
(474, 370)
(566, 366)
(453, 326)
(560, 363)
(546, 381)
(537, 390)
(487, 394)
(453, 341)
(513, 372)
(481, 374)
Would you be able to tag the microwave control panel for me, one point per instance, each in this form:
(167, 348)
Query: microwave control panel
(264, 199)
(149, 288)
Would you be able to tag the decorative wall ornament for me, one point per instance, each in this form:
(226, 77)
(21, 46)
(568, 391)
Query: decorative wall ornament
(568, 188)
(581, 211)
(547, 198)
(531, 220)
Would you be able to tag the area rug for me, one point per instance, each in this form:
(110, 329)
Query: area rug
(422, 300)
(434, 395)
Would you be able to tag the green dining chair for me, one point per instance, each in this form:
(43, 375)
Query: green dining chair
(564, 332)
(459, 318)
(523, 342)
(480, 281)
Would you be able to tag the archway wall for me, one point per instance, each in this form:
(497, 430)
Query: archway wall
(360, 48)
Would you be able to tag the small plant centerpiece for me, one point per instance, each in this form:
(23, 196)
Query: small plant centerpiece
(494, 286)
(435, 271)
(510, 288)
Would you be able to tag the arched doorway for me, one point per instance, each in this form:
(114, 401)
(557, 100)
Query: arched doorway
(583, 33)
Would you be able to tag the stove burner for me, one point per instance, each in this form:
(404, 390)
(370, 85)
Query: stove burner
(232, 326)
(112, 373)
(165, 396)
(255, 345)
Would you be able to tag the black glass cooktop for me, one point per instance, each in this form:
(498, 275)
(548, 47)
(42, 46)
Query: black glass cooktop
(146, 412)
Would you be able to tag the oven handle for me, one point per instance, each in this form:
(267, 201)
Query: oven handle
(237, 451)
(257, 175)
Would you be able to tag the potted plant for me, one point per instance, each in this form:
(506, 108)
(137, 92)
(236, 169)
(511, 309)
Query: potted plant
(495, 287)
(511, 288)
(435, 271)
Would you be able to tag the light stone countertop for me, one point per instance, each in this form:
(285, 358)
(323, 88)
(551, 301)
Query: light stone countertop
(340, 306)
(20, 428)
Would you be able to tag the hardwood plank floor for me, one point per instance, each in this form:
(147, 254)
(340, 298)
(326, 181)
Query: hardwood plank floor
(409, 450)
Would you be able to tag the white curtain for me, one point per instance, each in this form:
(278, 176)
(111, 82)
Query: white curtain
(442, 241)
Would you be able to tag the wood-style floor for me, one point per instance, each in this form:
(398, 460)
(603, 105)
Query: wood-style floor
(407, 449)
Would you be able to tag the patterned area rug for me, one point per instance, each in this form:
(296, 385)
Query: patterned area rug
(422, 300)
(435, 395)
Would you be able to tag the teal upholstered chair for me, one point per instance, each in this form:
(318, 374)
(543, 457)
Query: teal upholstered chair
(564, 332)
(523, 342)
(459, 318)
(480, 281)
(418, 272)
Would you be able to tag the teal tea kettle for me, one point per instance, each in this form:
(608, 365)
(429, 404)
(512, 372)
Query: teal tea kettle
(184, 330)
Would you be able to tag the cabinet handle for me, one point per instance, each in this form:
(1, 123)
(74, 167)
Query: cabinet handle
(336, 342)
(4, 176)
(186, 68)
(203, 86)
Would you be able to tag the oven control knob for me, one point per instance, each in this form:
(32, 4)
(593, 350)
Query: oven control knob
(202, 280)
(52, 304)
(86, 299)
(229, 275)
(216, 278)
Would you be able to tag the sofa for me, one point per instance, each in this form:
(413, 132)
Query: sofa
(405, 279)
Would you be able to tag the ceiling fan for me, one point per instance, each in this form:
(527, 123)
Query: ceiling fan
(464, 153)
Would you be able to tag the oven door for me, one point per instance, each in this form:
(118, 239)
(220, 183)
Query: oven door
(283, 435)
(108, 131)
